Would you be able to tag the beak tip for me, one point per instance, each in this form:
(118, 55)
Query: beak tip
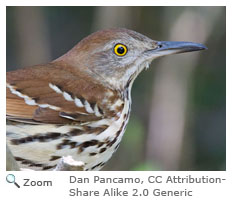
(202, 47)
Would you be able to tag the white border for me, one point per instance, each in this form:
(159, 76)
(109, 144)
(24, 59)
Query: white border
(2, 85)
(116, 3)
(228, 88)
(206, 193)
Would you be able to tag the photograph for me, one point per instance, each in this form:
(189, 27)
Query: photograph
(115, 88)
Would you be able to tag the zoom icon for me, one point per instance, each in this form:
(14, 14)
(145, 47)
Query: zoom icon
(10, 178)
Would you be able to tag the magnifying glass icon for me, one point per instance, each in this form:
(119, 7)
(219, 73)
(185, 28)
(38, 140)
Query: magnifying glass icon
(10, 178)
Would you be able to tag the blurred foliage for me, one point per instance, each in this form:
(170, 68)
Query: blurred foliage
(204, 144)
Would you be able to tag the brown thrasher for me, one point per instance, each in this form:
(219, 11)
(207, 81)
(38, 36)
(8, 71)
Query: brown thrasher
(79, 104)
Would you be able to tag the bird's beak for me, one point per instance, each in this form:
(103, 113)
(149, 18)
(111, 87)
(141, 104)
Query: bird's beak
(173, 47)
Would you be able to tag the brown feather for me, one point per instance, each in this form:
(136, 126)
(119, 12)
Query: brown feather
(18, 108)
(34, 83)
(50, 116)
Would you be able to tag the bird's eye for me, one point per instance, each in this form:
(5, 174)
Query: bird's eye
(120, 49)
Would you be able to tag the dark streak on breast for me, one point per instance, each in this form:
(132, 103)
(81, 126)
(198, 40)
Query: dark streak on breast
(99, 164)
(38, 137)
(67, 142)
(46, 137)
(92, 154)
(86, 144)
(102, 150)
(29, 162)
(53, 158)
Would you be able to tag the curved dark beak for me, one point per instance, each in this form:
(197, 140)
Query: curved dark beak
(174, 47)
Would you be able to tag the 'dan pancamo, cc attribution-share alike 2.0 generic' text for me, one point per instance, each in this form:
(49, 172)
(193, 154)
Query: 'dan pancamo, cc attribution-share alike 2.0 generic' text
(139, 192)
(150, 179)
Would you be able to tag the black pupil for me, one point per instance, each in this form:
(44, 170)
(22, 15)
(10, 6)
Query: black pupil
(121, 50)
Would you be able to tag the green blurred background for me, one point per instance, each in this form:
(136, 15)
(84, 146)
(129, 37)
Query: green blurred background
(178, 119)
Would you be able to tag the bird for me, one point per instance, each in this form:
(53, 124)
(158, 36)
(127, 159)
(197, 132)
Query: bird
(79, 104)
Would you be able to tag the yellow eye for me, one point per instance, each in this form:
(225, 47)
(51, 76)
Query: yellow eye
(120, 49)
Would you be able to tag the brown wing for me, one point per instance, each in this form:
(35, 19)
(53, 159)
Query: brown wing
(55, 93)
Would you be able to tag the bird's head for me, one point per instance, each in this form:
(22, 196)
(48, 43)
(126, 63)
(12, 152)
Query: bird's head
(117, 56)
